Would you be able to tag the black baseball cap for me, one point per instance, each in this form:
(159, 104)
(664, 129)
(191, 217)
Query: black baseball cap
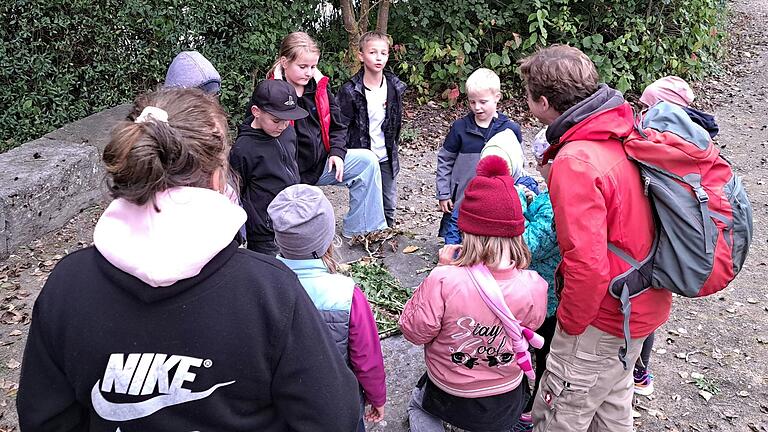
(278, 98)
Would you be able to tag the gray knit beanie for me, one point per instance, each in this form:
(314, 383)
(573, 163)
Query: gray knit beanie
(303, 220)
(190, 69)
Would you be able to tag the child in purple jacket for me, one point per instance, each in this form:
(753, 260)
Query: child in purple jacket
(304, 223)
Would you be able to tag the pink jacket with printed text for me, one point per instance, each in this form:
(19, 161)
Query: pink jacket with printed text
(465, 347)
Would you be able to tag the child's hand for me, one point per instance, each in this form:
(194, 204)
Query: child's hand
(446, 205)
(338, 163)
(448, 254)
(375, 414)
(529, 194)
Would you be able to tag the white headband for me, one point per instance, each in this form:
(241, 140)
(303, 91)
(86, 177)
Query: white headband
(152, 112)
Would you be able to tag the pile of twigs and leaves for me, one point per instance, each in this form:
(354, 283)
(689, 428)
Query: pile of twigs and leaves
(384, 292)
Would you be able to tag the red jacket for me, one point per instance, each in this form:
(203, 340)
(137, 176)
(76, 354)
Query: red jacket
(597, 198)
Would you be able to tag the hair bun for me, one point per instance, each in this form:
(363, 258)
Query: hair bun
(492, 166)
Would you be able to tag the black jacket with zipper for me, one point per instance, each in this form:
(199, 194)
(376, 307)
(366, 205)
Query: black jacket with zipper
(266, 165)
(312, 155)
(354, 115)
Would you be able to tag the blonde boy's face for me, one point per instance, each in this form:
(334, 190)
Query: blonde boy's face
(374, 55)
(483, 104)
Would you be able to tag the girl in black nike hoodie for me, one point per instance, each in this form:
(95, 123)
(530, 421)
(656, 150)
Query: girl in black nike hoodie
(165, 324)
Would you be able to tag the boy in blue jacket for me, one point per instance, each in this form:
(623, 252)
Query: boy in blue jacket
(458, 157)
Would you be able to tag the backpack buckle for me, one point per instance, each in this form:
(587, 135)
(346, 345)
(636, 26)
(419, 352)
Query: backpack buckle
(701, 195)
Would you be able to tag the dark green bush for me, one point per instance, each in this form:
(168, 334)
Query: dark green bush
(632, 42)
(61, 60)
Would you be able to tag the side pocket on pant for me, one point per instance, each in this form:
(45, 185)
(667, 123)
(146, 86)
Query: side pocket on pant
(567, 386)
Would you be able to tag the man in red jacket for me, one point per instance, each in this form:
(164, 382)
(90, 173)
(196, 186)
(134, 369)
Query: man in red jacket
(597, 197)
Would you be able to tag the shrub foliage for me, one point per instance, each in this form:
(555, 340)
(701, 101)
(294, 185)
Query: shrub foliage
(61, 60)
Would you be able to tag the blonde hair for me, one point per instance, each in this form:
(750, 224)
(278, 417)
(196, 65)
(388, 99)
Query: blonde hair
(329, 259)
(145, 158)
(483, 79)
(370, 36)
(478, 249)
(293, 45)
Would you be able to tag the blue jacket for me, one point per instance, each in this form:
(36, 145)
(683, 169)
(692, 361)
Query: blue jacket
(458, 157)
(541, 239)
(348, 314)
(331, 294)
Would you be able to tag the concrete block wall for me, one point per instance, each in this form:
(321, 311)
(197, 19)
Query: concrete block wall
(46, 182)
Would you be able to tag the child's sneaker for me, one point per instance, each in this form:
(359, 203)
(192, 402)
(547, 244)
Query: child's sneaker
(525, 423)
(643, 381)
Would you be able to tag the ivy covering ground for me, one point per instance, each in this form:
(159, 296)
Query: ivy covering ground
(385, 294)
(62, 60)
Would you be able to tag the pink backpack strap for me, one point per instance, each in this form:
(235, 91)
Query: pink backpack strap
(520, 336)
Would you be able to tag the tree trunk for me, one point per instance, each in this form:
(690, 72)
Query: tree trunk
(383, 17)
(362, 24)
(353, 33)
(357, 23)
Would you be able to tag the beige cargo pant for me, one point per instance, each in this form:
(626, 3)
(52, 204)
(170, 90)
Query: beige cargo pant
(585, 386)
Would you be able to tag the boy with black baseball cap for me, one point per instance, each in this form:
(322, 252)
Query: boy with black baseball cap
(264, 155)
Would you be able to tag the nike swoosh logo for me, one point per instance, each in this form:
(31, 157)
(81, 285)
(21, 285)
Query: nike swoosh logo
(131, 411)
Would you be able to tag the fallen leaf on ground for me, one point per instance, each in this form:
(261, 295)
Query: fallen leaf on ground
(410, 249)
(13, 364)
(705, 394)
(15, 333)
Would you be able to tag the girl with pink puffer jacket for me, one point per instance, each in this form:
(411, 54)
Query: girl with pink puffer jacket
(475, 314)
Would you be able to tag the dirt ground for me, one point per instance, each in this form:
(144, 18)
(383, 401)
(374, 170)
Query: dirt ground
(711, 358)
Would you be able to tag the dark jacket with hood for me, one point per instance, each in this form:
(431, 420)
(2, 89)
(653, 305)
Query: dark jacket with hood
(266, 165)
(321, 134)
(707, 121)
(312, 151)
(597, 198)
(354, 115)
(458, 157)
(166, 325)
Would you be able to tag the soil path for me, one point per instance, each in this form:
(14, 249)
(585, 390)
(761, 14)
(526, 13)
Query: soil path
(719, 343)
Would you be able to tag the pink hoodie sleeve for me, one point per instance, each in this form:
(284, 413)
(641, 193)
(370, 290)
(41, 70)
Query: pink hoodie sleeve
(365, 350)
(537, 311)
(422, 315)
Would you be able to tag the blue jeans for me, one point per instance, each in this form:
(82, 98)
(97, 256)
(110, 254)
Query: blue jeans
(363, 178)
(452, 233)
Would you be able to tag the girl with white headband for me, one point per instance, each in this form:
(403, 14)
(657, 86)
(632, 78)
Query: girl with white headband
(165, 324)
